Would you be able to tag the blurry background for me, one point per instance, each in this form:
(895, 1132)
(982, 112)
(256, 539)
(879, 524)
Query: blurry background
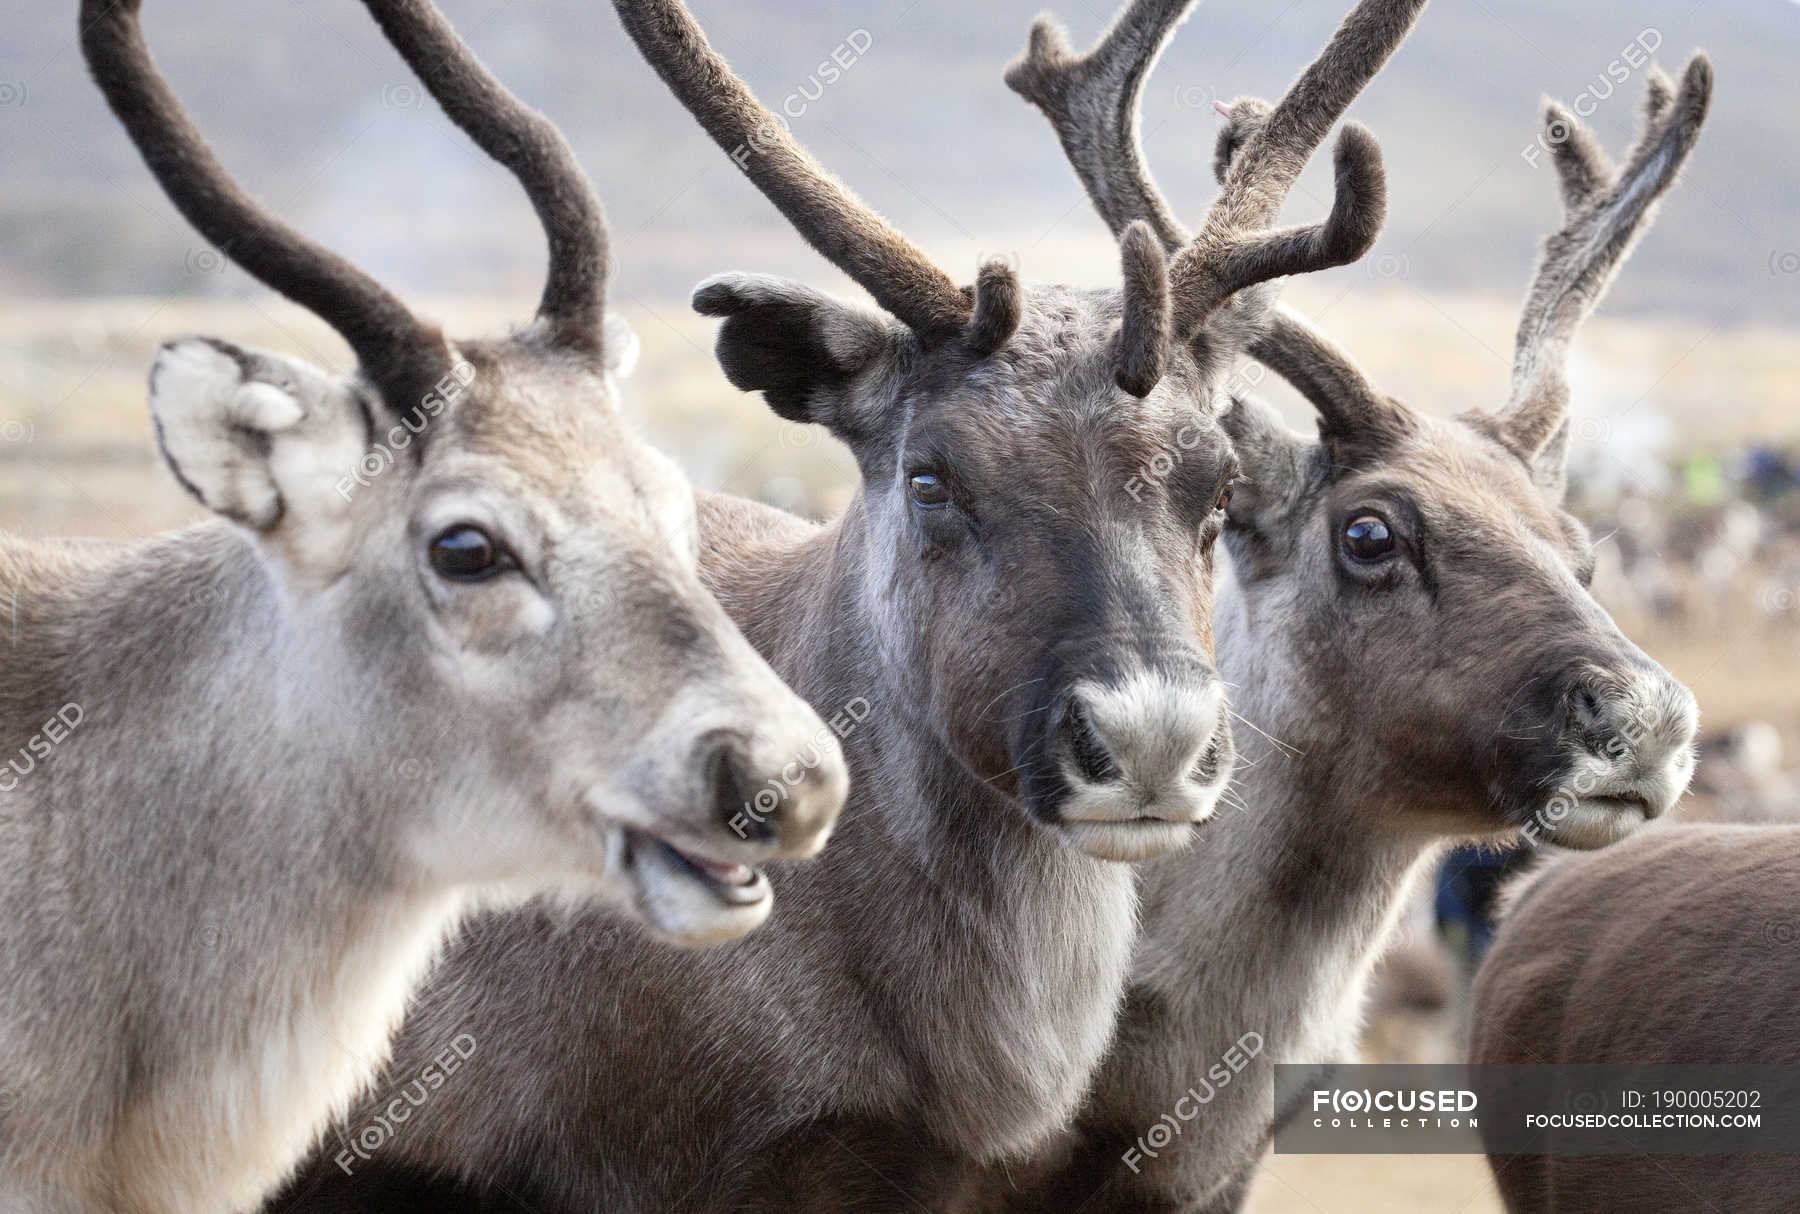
(1687, 447)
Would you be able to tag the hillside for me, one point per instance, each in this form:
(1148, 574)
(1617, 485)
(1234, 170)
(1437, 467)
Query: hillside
(318, 115)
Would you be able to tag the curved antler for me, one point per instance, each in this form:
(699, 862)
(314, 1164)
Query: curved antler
(573, 304)
(399, 353)
(1604, 216)
(844, 230)
(1347, 401)
(1142, 352)
(1092, 101)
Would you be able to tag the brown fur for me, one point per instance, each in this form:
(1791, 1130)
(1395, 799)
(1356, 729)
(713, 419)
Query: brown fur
(944, 979)
(1674, 947)
(1369, 748)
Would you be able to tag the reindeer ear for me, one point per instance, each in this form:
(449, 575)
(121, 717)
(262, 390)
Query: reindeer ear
(1273, 471)
(803, 350)
(264, 440)
(1273, 463)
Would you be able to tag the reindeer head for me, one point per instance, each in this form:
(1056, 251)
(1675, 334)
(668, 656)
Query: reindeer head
(1429, 566)
(1042, 472)
(1412, 583)
(472, 550)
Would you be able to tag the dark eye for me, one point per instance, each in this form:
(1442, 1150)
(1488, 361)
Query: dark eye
(469, 554)
(1367, 538)
(928, 491)
(1224, 502)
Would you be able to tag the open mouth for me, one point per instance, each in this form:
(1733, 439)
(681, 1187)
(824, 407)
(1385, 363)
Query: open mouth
(732, 884)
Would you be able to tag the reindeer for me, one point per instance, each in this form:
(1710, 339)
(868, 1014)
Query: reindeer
(268, 762)
(1673, 948)
(1408, 633)
(1030, 635)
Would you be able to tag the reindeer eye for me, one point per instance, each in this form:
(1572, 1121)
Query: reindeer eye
(1367, 538)
(469, 554)
(928, 491)
(1224, 502)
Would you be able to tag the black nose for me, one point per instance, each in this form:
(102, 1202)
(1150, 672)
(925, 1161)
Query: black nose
(1596, 714)
(1218, 753)
(732, 794)
(1092, 758)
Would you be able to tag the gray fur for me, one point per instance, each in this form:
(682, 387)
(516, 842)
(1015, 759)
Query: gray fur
(1385, 718)
(1460, 689)
(938, 989)
(265, 765)
(938, 986)
(301, 757)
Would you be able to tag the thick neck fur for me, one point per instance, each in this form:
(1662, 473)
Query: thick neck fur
(937, 987)
(1269, 925)
(200, 940)
(995, 954)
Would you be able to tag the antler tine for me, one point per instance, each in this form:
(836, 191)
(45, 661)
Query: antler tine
(1143, 339)
(1605, 218)
(1092, 102)
(1348, 402)
(573, 304)
(844, 230)
(399, 353)
(1582, 166)
(1232, 251)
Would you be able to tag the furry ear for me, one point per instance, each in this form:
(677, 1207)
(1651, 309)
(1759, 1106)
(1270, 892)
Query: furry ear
(1274, 463)
(800, 348)
(1275, 467)
(264, 440)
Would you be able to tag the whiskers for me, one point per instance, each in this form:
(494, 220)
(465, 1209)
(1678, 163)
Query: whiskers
(1292, 752)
